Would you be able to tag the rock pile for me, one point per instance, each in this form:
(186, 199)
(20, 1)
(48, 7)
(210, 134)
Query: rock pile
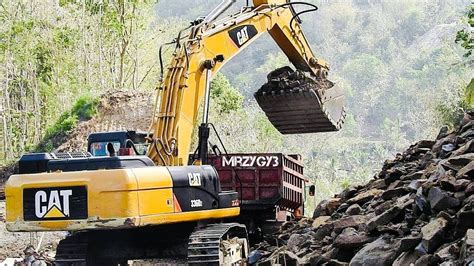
(418, 210)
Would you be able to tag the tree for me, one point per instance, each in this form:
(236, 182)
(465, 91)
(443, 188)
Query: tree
(224, 97)
(465, 37)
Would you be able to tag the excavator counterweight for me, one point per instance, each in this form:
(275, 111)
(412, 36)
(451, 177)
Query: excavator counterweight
(296, 102)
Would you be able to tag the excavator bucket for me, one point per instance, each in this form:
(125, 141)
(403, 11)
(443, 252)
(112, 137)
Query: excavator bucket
(296, 102)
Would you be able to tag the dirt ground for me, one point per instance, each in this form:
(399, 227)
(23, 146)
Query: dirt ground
(13, 244)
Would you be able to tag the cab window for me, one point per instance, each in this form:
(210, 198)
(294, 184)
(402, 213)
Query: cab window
(100, 148)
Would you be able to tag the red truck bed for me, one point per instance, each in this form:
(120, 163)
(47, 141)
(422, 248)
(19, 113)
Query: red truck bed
(264, 180)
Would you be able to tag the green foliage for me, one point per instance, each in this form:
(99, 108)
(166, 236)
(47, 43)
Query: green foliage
(267, 133)
(363, 70)
(65, 123)
(65, 37)
(84, 109)
(224, 96)
(45, 63)
(345, 183)
(469, 95)
(450, 113)
(465, 37)
(53, 53)
(449, 116)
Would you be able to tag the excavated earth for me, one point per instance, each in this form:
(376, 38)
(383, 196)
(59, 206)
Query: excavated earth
(418, 210)
(117, 110)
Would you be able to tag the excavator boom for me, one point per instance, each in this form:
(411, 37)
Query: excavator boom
(301, 101)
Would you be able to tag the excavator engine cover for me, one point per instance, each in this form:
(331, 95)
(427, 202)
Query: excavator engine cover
(296, 102)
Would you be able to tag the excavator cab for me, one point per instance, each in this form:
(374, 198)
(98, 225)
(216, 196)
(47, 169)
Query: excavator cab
(123, 143)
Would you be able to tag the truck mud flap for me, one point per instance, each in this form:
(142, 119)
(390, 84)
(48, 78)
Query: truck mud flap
(296, 103)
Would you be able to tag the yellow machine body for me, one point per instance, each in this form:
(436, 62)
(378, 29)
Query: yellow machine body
(121, 198)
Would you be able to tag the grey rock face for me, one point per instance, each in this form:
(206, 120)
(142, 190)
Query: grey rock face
(418, 210)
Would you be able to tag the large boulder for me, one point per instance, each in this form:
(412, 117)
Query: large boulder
(351, 238)
(433, 234)
(349, 221)
(382, 251)
(441, 200)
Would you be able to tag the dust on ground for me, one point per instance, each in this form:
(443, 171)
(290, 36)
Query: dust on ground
(12, 244)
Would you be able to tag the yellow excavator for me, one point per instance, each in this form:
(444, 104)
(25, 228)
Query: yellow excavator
(168, 203)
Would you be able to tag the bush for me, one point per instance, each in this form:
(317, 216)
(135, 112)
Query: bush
(451, 115)
(84, 109)
(225, 97)
(65, 123)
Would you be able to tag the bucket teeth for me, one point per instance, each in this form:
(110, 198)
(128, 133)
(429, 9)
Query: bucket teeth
(296, 102)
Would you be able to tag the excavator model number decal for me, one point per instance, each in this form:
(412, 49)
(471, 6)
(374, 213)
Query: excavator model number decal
(196, 203)
(242, 34)
(250, 161)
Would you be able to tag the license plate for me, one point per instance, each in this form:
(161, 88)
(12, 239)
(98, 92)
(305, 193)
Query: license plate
(57, 203)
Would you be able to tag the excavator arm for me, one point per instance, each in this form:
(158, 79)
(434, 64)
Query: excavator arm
(295, 102)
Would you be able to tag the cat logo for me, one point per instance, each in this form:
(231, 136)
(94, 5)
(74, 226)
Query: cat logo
(242, 34)
(52, 204)
(194, 179)
(55, 203)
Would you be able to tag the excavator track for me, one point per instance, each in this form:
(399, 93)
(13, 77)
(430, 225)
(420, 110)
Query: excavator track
(76, 250)
(216, 244)
(296, 102)
(116, 247)
(72, 251)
